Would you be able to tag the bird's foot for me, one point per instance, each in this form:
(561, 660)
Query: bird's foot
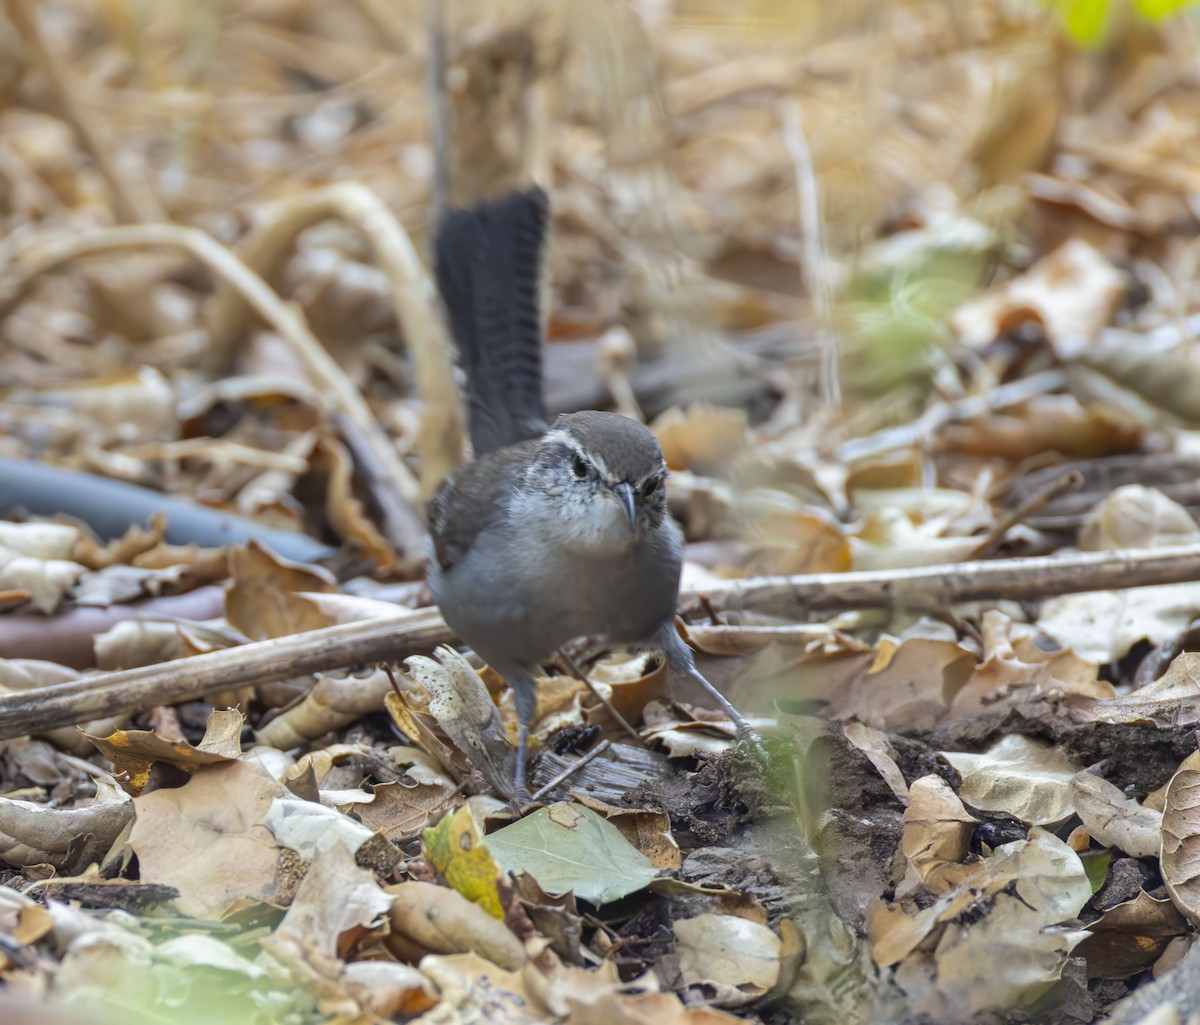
(750, 742)
(521, 802)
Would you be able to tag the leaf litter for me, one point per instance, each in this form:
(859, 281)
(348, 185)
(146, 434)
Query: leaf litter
(896, 286)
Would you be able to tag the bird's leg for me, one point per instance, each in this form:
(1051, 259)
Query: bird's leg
(679, 657)
(522, 684)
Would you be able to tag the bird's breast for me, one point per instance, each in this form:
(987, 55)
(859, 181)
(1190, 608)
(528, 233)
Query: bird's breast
(520, 596)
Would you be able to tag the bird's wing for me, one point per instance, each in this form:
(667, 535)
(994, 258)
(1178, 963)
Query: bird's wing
(470, 499)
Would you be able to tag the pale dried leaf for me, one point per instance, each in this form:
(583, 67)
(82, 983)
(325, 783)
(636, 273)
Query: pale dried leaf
(399, 812)
(1022, 777)
(1115, 820)
(334, 897)
(209, 839)
(333, 702)
(739, 959)
(1073, 293)
(1180, 855)
(937, 834)
(465, 711)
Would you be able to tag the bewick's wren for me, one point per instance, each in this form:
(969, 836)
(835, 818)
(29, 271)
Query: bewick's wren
(556, 530)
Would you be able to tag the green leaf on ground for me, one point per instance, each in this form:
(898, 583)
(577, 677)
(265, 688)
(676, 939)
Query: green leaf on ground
(569, 847)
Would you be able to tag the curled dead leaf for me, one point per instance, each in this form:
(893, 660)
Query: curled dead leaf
(1180, 851)
(135, 751)
(739, 959)
(465, 711)
(1022, 777)
(937, 835)
(1114, 819)
(333, 702)
(67, 838)
(430, 919)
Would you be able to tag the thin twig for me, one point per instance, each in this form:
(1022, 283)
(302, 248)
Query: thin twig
(132, 201)
(814, 272)
(617, 356)
(439, 105)
(923, 587)
(387, 470)
(609, 707)
(387, 668)
(384, 640)
(1034, 503)
(97, 696)
(571, 769)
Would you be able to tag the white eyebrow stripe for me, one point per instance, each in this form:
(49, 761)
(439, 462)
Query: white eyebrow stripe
(561, 437)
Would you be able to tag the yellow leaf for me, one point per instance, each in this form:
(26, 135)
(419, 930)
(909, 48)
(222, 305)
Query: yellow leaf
(455, 849)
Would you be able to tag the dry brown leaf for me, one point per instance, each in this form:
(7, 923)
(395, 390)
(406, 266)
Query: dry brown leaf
(909, 686)
(36, 558)
(135, 751)
(139, 404)
(137, 541)
(1104, 625)
(1046, 423)
(345, 511)
(1137, 517)
(1015, 666)
(629, 681)
(643, 1009)
(1154, 373)
(23, 922)
(21, 674)
(785, 536)
(683, 738)
(880, 753)
(399, 812)
(474, 989)
(209, 839)
(700, 438)
(331, 703)
(138, 642)
(264, 600)
(1128, 938)
(335, 906)
(555, 917)
(1022, 889)
(466, 713)
(436, 761)
(430, 919)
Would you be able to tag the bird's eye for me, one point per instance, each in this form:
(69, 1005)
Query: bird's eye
(651, 486)
(579, 466)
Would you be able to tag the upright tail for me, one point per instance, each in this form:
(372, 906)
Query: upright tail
(488, 261)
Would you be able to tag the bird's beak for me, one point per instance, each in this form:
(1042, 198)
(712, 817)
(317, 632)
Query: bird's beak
(625, 493)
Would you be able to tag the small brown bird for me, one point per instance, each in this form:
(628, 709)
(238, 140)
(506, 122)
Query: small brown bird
(558, 529)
